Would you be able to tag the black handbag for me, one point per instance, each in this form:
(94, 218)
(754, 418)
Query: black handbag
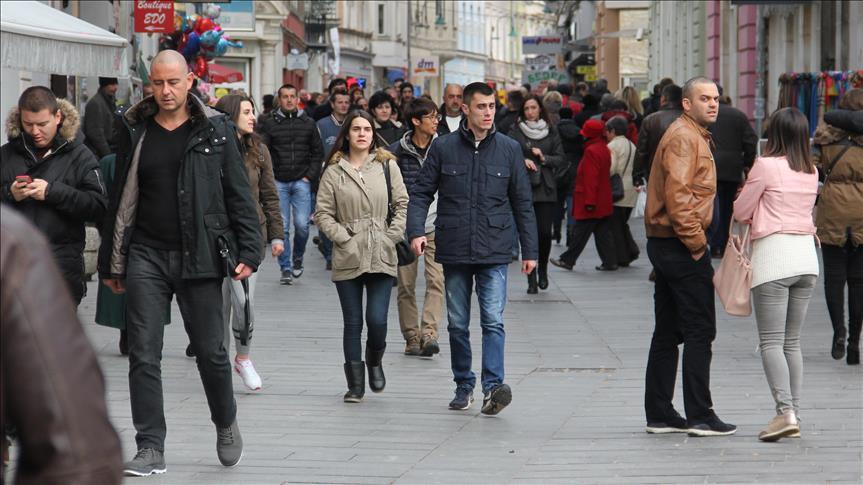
(230, 266)
(617, 191)
(403, 250)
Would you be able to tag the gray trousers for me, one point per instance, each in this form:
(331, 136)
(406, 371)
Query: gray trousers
(780, 308)
(233, 301)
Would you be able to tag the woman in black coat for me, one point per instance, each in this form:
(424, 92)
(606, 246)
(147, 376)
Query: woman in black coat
(381, 107)
(544, 159)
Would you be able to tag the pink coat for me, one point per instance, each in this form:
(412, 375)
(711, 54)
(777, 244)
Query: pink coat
(777, 199)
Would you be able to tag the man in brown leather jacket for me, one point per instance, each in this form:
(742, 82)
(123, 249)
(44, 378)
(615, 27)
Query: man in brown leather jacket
(679, 211)
(52, 389)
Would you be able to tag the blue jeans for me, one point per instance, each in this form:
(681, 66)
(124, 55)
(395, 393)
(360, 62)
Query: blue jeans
(378, 288)
(295, 203)
(491, 293)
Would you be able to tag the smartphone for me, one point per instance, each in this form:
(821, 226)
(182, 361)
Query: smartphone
(25, 179)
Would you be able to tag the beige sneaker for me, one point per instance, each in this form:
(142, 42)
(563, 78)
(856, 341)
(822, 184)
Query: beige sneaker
(781, 426)
(412, 347)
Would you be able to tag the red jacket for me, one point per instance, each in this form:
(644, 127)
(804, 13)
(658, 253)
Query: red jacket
(592, 185)
(631, 130)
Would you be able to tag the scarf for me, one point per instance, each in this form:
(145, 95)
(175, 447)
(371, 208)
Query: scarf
(535, 130)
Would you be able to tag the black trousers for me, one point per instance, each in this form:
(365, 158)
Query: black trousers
(153, 276)
(624, 244)
(560, 209)
(844, 265)
(722, 211)
(546, 213)
(685, 313)
(602, 237)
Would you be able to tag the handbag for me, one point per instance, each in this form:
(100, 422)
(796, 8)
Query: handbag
(230, 266)
(733, 278)
(403, 251)
(617, 190)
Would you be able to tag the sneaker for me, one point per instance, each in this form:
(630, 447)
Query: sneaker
(286, 278)
(712, 426)
(229, 445)
(673, 424)
(412, 347)
(298, 269)
(561, 264)
(247, 372)
(146, 462)
(496, 399)
(463, 399)
(429, 346)
(780, 426)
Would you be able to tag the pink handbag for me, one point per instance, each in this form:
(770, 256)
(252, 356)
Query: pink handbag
(733, 278)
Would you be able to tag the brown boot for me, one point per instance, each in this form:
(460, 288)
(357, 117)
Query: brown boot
(412, 347)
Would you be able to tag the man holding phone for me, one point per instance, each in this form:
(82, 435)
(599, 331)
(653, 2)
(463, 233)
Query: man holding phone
(180, 187)
(482, 186)
(52, 178)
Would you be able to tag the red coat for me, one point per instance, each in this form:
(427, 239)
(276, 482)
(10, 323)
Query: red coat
(592, 184)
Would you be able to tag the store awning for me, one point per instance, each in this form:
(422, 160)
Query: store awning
(220, 74)
(36, 37)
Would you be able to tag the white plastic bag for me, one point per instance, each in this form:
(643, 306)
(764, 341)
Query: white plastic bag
(641, 202)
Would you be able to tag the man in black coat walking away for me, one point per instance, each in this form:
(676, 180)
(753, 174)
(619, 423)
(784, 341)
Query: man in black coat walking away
(735, 145)
(52, 178)
(99, 118)
(482, 186)
(295, 146)
(181, 218)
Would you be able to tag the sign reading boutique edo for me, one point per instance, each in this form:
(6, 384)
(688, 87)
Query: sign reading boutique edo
(154, 16)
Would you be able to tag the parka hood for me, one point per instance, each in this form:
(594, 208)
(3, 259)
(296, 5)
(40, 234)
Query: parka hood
(381, 155)
(68, 127)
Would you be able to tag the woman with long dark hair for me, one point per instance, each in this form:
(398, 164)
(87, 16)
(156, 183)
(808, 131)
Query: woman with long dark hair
(354, 211)
(777, 202)
(259, 167)
(544, 159)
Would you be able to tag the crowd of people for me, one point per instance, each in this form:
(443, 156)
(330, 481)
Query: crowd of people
(188, 197)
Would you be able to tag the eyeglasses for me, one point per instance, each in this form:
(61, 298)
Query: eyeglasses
(432, 116)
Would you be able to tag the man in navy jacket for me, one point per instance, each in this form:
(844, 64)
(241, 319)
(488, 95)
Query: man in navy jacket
(482, 185)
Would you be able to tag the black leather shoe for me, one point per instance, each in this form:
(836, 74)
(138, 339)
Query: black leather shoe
(531, 283)
(838, 350)
(561, 264)
(853, 356)
(542, 279)
(606, 268)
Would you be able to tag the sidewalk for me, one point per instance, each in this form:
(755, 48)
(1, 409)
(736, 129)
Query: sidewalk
(575, 359)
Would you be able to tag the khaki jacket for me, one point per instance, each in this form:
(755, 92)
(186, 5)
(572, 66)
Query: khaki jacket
(840, 207)
(682, 185)
(351, 210)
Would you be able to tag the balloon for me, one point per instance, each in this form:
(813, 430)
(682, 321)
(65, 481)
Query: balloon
(202, 69)
(208, 53)
(193, 43)
(212, 11)
(181, 44)
(223, 45)
(179, 22)
(210, 38)
(203, 25)
(191, 21)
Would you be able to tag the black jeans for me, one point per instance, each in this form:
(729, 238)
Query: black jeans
(844, 265)
(378, 288)
(153, 276)
(546, 213)
(722, 210)
(685, 313)
(624, 244)
(602, 237)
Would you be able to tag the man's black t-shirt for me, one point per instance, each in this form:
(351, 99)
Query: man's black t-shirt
(158, 221)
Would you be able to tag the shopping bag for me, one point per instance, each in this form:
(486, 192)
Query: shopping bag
(641, 202)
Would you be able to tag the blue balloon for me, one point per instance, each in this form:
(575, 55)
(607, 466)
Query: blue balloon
(193, 44)
(210, 38)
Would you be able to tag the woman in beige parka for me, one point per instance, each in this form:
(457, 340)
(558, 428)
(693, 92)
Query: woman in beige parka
(352, 210)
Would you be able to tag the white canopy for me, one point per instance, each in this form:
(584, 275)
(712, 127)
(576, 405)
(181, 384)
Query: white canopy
(36, 37)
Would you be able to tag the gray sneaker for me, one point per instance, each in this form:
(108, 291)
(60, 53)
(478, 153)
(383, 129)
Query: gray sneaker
(229, 445)
(146, 462)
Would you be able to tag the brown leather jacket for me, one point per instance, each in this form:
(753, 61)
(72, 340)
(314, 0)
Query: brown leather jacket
(682, 185)
(52, 390)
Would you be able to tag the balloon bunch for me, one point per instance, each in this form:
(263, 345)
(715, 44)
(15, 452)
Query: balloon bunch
(199, 38)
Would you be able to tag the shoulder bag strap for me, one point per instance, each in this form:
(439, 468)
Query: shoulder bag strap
(389, 192)
(848, 144)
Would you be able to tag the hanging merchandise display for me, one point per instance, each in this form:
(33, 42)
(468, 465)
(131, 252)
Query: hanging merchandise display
(815, 93)
(199, 38)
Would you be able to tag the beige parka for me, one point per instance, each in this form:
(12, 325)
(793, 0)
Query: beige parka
(351, 210)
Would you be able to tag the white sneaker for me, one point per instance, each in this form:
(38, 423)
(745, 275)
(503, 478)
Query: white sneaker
(247, 372)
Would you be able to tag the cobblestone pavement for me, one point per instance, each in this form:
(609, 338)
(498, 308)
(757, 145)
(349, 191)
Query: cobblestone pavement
(575, 360)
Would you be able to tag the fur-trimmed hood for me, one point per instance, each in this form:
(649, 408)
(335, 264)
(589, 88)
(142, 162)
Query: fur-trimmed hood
(381, 156)
(68, 127)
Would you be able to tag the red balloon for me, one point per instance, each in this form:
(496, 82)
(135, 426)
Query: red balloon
(202, 69)
(181, 44)
(204, 25)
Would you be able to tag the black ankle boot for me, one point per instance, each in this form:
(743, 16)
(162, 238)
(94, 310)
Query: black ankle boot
(837, 351)
(355, 374)
(531, 283)
(853, 355)
(542, 280)
(377, 381)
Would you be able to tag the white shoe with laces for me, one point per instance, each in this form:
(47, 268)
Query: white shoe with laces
(247, 372)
